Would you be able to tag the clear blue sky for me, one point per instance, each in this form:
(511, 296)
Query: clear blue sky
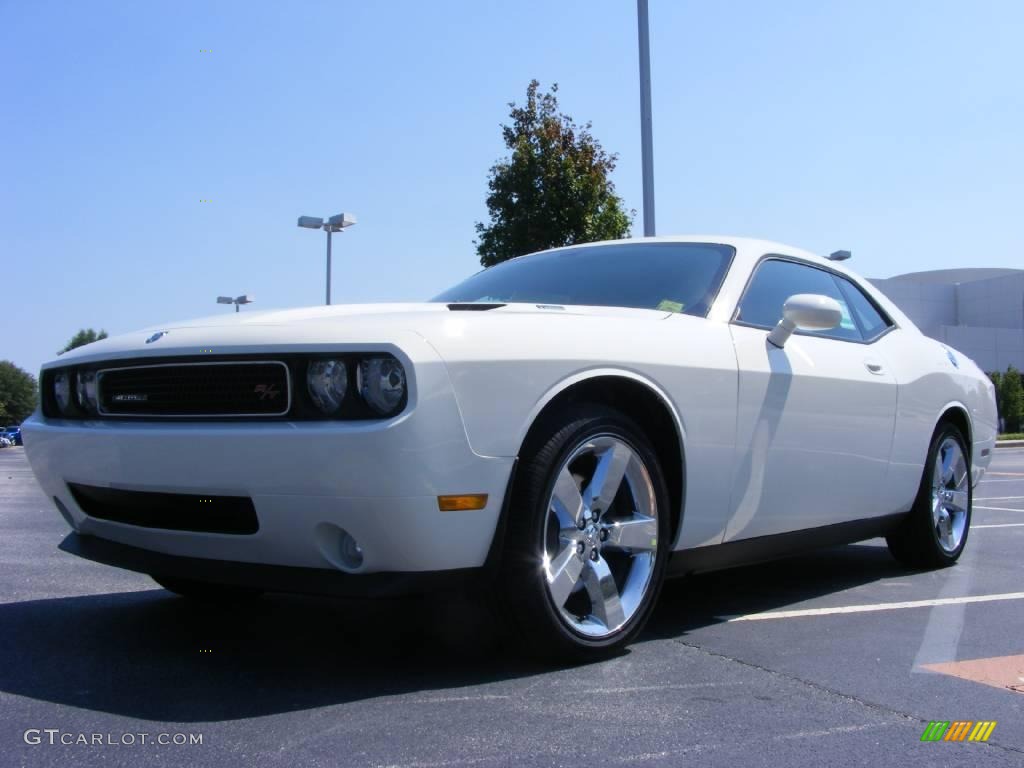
(895, 129)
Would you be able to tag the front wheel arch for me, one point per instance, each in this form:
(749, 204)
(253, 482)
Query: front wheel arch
(646, 406)
(958, 417)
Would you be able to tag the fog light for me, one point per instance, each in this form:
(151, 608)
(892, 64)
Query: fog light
(350, 552)
(466, 502)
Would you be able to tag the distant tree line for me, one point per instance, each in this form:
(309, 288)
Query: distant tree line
(1010, 398)
(83, 337)
(19, 390)
(18, 393)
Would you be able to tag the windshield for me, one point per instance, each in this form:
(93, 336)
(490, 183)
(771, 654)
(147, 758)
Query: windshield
(672, 277)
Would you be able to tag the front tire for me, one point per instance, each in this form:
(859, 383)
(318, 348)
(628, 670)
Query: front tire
(935, 532)
(588, 535)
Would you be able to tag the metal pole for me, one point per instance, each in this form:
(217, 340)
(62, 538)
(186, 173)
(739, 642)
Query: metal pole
(328, 266)
(646, 138)
(236, 306)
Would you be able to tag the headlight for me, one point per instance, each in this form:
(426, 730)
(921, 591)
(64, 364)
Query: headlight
(86, 390)
(382, 384)
(327, 381)
(62, 391)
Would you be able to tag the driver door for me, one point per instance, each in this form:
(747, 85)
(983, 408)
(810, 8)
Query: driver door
(815, 418)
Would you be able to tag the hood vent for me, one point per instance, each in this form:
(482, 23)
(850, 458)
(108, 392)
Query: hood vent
(473, 306)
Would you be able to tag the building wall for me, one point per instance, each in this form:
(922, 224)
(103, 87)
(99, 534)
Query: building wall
(929, 306)
(982, 318)
(995, 303)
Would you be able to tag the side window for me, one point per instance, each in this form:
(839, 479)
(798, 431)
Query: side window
(776, 280)
(872, 322)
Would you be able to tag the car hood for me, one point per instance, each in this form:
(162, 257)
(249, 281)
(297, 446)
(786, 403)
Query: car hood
(319, 327)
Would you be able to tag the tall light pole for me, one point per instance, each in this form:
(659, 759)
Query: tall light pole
(646, 137)
(243, 299)
(333, 224)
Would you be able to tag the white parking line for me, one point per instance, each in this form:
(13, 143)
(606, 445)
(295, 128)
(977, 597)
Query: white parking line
(999, 525)
(998, 509)
(873, 607)
(997, 498)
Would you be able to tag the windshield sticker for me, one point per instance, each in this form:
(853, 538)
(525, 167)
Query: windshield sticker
(846, 323)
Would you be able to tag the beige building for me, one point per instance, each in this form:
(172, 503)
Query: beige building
(978, 311)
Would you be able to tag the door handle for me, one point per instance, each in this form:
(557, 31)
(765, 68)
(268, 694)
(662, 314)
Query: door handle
(874, 367)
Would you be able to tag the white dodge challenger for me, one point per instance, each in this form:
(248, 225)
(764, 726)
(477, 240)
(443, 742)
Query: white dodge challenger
(567, 428)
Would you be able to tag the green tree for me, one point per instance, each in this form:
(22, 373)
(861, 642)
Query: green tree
(83, 337)
(553, 190)
(1011, 400)
(18, 393)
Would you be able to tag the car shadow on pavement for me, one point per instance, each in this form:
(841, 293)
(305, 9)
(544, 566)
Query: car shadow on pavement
(696, 601)
(149, 655)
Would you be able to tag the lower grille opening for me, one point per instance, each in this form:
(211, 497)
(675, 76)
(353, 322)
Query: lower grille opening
(171, 511)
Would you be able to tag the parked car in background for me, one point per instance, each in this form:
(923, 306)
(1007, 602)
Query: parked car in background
(13, 434)
(562, 431)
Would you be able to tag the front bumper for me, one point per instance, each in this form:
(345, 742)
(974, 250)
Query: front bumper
(308, 481)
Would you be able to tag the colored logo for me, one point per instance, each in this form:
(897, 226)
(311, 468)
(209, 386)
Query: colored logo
(958, 730)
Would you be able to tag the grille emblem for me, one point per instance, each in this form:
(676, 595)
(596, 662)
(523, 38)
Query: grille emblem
(156, 336)
(266, 391)
(130, 397)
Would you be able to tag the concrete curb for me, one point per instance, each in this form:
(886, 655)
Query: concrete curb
(1009, 443)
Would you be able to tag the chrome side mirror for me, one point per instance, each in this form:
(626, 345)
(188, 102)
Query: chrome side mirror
(808, 312)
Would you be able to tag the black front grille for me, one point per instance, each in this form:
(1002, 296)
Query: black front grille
(257, 388)
(172, 511)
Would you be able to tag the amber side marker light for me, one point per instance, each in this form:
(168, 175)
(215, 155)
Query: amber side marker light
(463, 503)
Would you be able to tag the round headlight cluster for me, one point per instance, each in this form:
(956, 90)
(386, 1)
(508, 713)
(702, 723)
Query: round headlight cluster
(327, 382)
(85, 392)
(62, 391)
(382, 384)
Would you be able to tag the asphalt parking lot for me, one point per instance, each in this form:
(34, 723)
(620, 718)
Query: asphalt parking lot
(825, 659)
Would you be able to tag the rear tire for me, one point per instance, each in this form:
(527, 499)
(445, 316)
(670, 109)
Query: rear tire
(206, 592)
(588, 536)
(935, 532)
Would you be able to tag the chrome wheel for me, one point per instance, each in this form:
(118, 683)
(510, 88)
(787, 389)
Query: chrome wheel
(950, 499)
(601, 536)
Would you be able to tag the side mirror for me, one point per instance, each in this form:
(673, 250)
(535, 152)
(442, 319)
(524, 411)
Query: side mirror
(807, 311)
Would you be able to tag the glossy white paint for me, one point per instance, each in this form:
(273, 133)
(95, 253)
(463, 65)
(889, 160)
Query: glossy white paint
(814, 433)
(818, 432)
(805, 311)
